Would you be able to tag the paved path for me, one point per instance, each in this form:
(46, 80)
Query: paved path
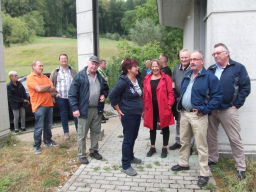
(154, 174)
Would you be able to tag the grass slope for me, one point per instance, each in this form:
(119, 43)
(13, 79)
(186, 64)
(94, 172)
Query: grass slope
(19, 57)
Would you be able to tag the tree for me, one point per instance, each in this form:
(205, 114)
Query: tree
(148, 10)
(146, 31)
(35, 21)
(129, 5)
(15, 30)
(128, 21)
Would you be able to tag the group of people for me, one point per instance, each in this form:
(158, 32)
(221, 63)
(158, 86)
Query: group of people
(199, 99)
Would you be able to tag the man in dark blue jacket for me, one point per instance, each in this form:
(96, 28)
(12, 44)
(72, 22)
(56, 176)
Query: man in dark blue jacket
(236, 87)
(201, 93)
(86, 96)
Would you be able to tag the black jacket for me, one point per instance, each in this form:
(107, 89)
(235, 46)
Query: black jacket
(16, 94)
(79, 93)
(125, 95)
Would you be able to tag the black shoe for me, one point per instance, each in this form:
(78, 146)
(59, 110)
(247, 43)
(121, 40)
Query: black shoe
(16, 131)
(191, 151)
(211, 163)
(104, 118)
(179, 168)
(202, 181)
(161, 132)
(164, 153)
(151, 152)
(241, 175)
(84, 160)
(175, 146)
(96, 155)
(103, 121)
(23, 130)
(50, 143)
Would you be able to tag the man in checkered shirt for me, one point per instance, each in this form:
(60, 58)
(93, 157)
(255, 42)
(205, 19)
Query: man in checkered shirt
(62, 77)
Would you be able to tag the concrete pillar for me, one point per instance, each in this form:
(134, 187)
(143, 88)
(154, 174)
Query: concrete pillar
(87, 30)
(233, 23)
(4, 115)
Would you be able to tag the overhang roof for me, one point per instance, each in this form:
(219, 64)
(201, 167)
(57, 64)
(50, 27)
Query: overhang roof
(173, 12)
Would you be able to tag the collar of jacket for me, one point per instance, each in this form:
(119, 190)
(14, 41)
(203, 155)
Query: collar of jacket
(202, 73)
(58, 68)
(230, 62)
(84, 74)
(18, 83)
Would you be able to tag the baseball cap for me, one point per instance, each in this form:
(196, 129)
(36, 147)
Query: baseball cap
(95, 59)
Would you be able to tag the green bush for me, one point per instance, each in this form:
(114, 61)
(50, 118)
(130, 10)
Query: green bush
(108, 35)
(115, 36)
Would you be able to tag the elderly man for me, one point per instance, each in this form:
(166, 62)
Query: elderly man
(86, 96)
(236, 87)
(164, 59)
(102, 67)
(40, 88)
(201, 93)
(178, 73)
(147, 70)
(62, 77)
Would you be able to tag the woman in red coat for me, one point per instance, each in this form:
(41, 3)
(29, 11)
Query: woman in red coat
(158, 100)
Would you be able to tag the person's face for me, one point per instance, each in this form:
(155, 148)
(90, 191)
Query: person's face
(196, 63)
(162, 59)
(103, 65)
(147, 64)
(219, 55)
(92, 66)
(14, 78)
(155, 68)
(39, 67)
(184, 58)
(63, 60)
(134, 70)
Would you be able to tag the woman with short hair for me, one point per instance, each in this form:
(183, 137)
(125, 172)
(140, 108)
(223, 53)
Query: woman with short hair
(126, 98)
(17, 97)
(158, 100)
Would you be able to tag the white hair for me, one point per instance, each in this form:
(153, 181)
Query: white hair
(11, 73)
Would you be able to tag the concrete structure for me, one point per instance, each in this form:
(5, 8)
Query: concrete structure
(232, 22)
(4, 115)
(87, 30)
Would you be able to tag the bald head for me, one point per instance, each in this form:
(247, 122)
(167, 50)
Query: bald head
(148, 64)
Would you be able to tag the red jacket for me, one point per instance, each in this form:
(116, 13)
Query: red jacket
(164, 103)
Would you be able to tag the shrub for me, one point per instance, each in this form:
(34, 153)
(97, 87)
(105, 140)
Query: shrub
(108, 35)
(115, 36)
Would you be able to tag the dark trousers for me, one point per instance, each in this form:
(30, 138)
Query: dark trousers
(64, 106)
(131, 125)
(166, 131)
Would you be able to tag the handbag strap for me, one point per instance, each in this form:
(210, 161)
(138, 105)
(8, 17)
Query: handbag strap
(166, 86)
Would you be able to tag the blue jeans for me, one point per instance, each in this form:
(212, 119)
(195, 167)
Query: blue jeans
(43, 122)
(64, 106)
(131, 125)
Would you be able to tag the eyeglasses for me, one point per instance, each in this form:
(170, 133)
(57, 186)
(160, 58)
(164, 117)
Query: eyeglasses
(217, 53)
(15, 75)
(194, 59)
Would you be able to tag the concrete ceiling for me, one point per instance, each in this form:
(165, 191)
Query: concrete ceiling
(173, 12)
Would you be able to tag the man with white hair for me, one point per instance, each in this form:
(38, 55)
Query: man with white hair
(178, 73)
(86, 95)
(236, 86)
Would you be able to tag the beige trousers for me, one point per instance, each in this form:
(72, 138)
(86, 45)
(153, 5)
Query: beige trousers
(190, 124)
(229, 120)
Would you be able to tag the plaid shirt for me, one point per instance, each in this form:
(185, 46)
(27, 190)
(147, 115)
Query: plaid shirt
(64, 80)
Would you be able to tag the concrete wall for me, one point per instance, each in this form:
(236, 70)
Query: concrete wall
(191, 37)
(233, 22)
(4, 115)
(87, 30)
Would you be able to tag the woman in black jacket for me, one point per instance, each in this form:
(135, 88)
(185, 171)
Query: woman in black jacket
(126, 98)
(17, 97)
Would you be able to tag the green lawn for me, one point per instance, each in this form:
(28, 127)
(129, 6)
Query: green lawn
(19, 57)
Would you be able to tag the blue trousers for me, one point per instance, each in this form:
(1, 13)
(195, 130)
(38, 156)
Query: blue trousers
(43, 122)
(64, 110)
(131, 125)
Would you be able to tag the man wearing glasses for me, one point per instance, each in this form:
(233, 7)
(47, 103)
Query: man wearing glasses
(236, 87)
(201, 93)
(87, 95)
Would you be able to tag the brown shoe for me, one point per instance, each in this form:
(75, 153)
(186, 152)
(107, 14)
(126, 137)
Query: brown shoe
(66, 136)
